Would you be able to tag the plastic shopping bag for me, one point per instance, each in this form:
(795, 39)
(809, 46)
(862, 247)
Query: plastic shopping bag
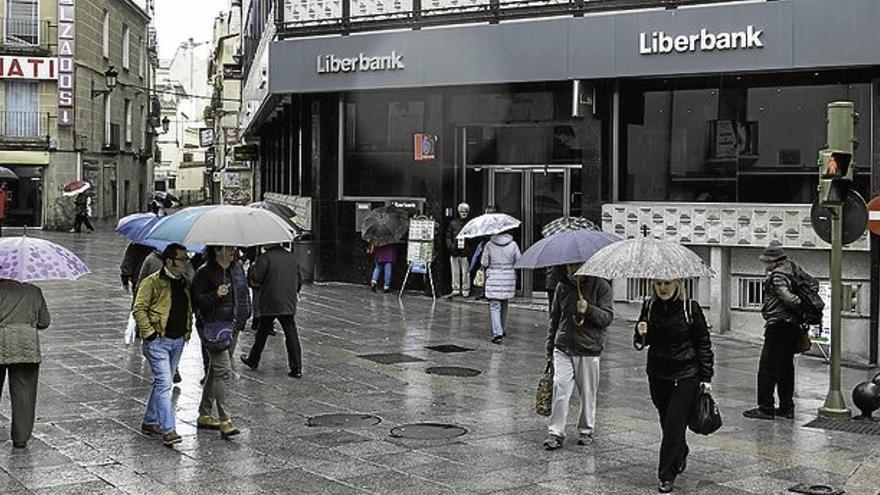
(130, 329)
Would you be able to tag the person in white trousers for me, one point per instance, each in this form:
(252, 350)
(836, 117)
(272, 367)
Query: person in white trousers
(582, 311)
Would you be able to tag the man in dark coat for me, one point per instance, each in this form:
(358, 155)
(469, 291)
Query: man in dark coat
(130, 269)
(277, 275)
(781, 312)
(460, 252)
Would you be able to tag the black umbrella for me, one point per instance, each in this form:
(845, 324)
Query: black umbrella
(7, 174)
(282, 211)
(385, 225)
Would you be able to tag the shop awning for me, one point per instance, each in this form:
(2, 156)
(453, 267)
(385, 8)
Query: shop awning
(8, 157)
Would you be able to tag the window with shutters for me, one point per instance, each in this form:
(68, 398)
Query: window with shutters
(20, 115)
(105, 36)
(22, 23)
(126, 47)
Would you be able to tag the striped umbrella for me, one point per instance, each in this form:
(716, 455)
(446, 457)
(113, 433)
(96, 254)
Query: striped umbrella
(563, 224)
(75, 187)
(221, 225)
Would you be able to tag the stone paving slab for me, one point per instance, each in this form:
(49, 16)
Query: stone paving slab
(93, 389)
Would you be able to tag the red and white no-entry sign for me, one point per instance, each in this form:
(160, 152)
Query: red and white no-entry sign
(874, 216)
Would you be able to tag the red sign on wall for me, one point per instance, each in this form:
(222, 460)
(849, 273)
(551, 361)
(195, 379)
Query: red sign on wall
(425, 146)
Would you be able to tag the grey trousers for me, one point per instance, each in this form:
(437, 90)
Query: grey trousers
(570, 372)
(218, 377)
(23, 395)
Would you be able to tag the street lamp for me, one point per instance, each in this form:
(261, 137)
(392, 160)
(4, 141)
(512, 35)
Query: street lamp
(166, 123)
(110, 76)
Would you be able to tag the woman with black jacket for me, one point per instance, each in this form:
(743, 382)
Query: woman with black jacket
(680, 362)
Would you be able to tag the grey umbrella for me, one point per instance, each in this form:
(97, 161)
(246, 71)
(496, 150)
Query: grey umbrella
(7, 174)
(645, 258)
(574, 246)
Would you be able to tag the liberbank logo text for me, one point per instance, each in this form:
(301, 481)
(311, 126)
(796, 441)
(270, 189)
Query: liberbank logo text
(331, 64)
(659, 42)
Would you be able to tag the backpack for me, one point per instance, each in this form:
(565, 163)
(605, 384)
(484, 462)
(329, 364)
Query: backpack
(806, 288)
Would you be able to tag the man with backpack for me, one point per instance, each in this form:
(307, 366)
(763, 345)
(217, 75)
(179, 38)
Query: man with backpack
(790, 300)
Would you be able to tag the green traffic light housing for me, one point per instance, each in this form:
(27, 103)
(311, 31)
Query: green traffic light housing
(836, 160)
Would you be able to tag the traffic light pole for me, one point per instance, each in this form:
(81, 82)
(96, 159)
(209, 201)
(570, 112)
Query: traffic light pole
(835, 406)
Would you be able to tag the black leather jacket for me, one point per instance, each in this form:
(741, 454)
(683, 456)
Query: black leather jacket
(676, 349)
(452, 244)
(781, 304)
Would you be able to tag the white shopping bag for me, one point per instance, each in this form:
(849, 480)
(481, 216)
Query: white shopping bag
(130, 329)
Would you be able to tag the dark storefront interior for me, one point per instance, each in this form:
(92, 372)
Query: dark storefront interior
(24, 197)
(735, 138)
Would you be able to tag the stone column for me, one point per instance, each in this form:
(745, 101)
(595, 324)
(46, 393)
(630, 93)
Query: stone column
(719, 290)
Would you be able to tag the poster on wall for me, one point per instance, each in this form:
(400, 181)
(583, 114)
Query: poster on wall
(425, 146)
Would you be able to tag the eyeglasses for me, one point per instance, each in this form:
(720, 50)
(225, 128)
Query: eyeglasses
(180, 259)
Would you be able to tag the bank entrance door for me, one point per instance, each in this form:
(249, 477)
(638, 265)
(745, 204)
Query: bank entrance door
(534, 194)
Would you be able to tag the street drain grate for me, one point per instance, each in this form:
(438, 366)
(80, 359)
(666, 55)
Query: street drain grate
(452, 371)
(808, 489)
(391, 358)
(447, 348)
(344, 420)
(848, 425)
(428, 431)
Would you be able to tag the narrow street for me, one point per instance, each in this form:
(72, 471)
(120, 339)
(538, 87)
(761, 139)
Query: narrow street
(93, 389)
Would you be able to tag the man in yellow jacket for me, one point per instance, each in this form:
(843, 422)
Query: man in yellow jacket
(163, 312)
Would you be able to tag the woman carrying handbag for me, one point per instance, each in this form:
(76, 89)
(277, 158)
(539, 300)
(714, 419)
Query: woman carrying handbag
(680, 364)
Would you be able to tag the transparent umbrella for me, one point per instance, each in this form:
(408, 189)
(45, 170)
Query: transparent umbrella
(488, 224)
(645, 258)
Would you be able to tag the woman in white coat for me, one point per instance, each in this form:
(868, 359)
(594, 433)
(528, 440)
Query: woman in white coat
(499, 256)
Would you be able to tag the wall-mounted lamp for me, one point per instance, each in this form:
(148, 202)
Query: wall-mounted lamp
(111, 81)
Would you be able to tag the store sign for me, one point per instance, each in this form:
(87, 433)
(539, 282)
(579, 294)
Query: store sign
(331, 64)
(246, 152)
(425, 146)
(658, 42)
(66, 51)
(230, 135)
(206, 137)
(41, 68)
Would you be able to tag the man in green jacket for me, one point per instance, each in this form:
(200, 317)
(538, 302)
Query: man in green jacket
(22, 313)
(163, 312)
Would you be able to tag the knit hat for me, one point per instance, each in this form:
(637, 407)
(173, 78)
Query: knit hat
(773, 253)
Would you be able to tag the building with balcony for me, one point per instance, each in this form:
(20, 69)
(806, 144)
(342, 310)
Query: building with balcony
(184, 94)
(699, 120)
(60, 121)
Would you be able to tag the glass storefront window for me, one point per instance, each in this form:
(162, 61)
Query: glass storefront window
(731, 139)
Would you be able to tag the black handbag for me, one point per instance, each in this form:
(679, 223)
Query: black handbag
(217, 335)
(705, 417)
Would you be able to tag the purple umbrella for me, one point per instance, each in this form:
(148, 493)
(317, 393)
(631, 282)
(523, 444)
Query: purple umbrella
(27, 259)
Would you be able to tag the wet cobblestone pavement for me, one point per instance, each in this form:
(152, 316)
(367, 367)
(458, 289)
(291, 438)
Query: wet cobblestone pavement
(93, 389)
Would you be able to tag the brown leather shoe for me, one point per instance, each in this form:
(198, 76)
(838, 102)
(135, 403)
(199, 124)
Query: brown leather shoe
(208, 422)
(227, 430)
(150, 429)
(171, 438)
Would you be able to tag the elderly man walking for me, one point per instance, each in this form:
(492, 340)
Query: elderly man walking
(22, 313)
(163, 312)
(277, 276)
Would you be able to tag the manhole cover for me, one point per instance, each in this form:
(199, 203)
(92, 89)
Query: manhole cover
(447, 348)
(847, 425)
(809, 489)
(428, 431)
(345, 420)
(391, 358)
(451, 371)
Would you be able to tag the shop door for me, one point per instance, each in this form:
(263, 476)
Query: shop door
(536, 196)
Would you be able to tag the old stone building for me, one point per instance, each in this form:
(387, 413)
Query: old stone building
(63, 118)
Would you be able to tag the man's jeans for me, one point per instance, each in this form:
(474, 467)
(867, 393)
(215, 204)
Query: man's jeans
(163, 355)
(498, 316)
(461, 276)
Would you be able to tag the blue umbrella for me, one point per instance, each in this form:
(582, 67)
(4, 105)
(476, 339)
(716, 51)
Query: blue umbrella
(136, 227)
(575, 246)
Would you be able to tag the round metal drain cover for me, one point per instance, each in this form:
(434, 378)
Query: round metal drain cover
(345, 420)
(452, 371)
(428, 431)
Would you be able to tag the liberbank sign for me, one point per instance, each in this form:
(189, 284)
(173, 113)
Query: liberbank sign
(658, 42)
(331, 64)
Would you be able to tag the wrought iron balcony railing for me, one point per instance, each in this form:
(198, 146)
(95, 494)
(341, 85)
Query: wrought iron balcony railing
(317, 17)
(26, 126)
(24, 34)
